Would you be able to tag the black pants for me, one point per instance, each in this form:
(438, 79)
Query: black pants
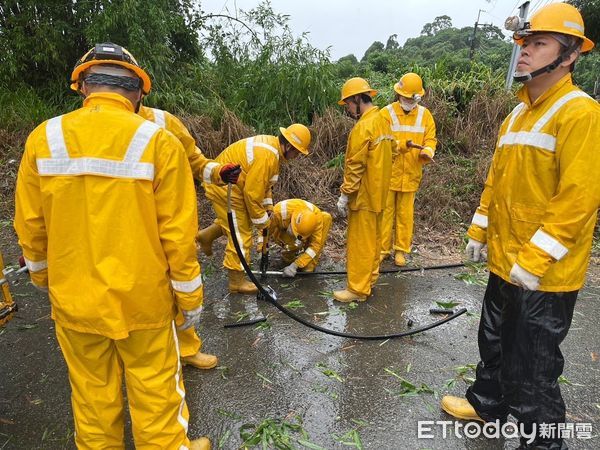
(520, 333)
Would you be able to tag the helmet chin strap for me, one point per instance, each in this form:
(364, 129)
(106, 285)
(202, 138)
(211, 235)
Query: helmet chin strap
(521, 77)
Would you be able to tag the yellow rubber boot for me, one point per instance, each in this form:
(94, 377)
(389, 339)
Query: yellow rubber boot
(238, 283)
(347, 296)
(202, 443)
(206, 236)
(399, 259)
(460, 408)
(201, 361)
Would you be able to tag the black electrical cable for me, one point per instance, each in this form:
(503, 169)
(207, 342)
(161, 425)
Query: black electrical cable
(269, 296)
(398, 270)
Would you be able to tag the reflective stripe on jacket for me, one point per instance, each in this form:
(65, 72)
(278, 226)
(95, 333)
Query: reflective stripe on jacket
(541, 196)
(258, 158)
(203, 168)
(106, 201)
(280, 223)
(418, 126)
(368, 162)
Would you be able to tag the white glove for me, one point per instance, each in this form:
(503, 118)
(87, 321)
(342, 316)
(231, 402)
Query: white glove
(290, 271)
(474, 250)
(521, 277)
(342, 205)
(190, 317)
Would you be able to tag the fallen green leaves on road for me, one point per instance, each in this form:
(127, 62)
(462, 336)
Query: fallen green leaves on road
(329, 372)
(408, 389)
(465, 373)
(276, 433)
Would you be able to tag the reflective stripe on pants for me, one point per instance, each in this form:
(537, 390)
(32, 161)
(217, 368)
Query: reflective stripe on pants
(242, 219)
(149, 360)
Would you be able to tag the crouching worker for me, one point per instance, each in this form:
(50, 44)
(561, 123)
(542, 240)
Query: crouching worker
(300, 229)
(251, 198)
(106, 215)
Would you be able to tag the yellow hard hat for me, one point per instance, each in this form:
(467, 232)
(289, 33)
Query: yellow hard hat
(555, 18)
(355, 86)
(109, 53)
(298, 135)
(304, 223)
(410, 86)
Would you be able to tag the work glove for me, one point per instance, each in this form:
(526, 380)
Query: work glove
(230, 173)
(190, 317)
(342, 205)
(290, 271)
(475, 250)
(524, 279)
(426, 155)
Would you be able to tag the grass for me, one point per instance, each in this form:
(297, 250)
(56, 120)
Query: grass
(464, 373)
(279, 434)
(325, 370)
(407, 388)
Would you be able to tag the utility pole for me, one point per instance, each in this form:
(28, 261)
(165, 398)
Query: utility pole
(472, 51)
(516, 51)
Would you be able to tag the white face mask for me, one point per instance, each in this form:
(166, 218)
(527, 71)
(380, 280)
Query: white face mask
(408, 105)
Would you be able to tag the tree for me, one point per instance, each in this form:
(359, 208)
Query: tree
(40, 41)
(376, 47)
(392, 43)
(439, 23)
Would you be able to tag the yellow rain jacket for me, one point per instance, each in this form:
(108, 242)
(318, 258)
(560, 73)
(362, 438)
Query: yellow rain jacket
(418, 126)
(258, 158)
(368, 162)
(541, 196)
(280, 223)
(203, 168)
(105, 206)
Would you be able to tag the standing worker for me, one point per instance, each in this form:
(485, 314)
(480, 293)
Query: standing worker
(251, 197)
(106, 215)
(537, 215)
(209, 171)
(301, 229)
(413, 128)
(367, 172)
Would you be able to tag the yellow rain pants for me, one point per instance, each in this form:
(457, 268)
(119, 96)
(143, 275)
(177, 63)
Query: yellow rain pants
(363, 248)
(244, 236)
(149, 360)
(399, 211)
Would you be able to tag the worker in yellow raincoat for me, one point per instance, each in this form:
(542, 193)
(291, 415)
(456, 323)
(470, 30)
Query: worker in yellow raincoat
(300, 229)
(537, 216)
(413, 128)
(106, 216)
(251, 198)
(367, 172)
(209, 171)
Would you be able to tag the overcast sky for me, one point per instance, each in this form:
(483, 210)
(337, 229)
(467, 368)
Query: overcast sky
(351, 26)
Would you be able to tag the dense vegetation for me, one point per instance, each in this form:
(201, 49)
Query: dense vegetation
(230, 77)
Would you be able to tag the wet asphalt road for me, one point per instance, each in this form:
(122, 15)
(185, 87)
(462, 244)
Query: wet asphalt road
(342, 391)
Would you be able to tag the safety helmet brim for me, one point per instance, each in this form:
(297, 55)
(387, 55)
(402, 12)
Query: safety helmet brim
(292, 140)
(141, 73)
(519, 37)
(372, 93)
(398, 89)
